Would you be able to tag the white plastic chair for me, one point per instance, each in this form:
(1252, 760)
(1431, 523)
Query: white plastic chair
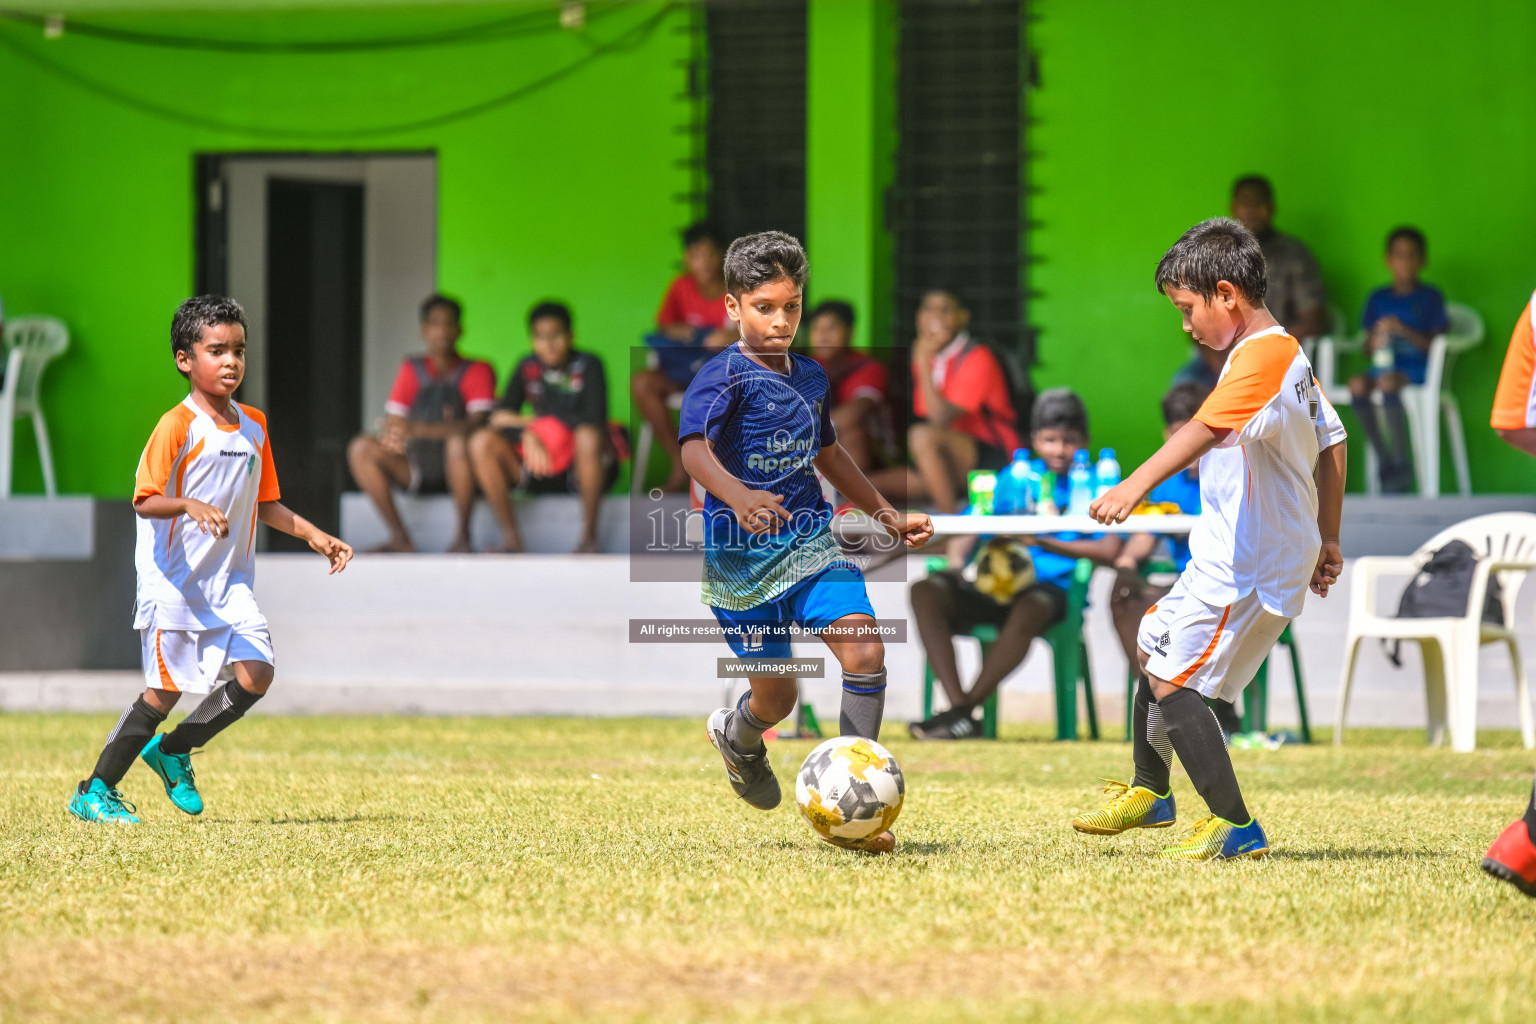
(30, 343)
(1505, 543)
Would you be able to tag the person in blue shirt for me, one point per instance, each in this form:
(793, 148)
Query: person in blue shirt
(1401, 320)
(1149, 564)
(950, 603)
(755, 428)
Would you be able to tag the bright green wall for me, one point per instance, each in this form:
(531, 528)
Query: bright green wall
(1365, 116)
(575, 192)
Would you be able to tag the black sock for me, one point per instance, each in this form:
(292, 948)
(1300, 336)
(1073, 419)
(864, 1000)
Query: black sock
(218, 711)
(863, 704)
(744, 730)
(1226, 715)
(1197, 739)
(133, 730)
(1149, 741)
(1530, 815)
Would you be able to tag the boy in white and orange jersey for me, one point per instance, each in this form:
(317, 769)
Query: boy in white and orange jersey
(204, 481)
(1272, 459)
(1512, 856)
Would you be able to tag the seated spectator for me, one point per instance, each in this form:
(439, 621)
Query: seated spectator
(1294, 293)
(1400, 320)
(691, 326)
(860, 414)
(437, 401)
(963, 406)
(949, 603)
(563, 446)
(1148, 565)
(1203, 369)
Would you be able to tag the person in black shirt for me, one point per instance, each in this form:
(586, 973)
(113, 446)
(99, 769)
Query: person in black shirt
(563, 445)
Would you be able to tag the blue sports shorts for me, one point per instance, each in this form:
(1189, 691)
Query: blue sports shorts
(814, 603)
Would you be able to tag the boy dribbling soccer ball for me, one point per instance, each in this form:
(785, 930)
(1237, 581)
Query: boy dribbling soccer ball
(755, 427)
(1272, 459)
(204, 481)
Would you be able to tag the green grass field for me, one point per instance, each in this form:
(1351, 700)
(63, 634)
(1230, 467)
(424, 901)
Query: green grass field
(548, 869)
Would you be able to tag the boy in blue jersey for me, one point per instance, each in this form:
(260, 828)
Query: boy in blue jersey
(755, 427)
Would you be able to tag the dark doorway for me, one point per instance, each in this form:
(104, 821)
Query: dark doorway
(314, 343)
(955, 208)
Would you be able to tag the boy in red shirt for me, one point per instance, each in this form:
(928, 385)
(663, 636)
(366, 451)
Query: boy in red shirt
(859, 410)
(964, 411)
(437, 401)
(692, 316)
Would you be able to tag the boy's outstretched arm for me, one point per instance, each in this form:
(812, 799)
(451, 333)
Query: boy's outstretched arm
(278, 516)
(1191, 441)
(1330, 510)
(912, 528)
(758, 511)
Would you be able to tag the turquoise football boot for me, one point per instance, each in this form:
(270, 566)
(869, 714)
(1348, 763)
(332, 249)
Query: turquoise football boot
(175, 770)
(99, 803)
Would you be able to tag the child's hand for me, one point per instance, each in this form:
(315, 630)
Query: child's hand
(535, 455)
(394, 435)
(1115, 504)
(915, 528)
(1330, 562)
(338, 551)
(761, 512)
(208, 519)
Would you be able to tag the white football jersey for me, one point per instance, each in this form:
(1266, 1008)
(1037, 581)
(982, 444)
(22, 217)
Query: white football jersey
(189, 579)
(1258, 523)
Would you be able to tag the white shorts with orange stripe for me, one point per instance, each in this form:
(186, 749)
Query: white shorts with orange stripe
(197, 660)
(1211, 649)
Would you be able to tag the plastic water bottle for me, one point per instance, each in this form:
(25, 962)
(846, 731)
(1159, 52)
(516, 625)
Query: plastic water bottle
(1011, 496)
(1107, 474)
(1047, 505)
(983, 485)
(1079, 484)
(1038, 493)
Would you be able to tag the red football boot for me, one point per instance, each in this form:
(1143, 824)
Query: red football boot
(1512, 857)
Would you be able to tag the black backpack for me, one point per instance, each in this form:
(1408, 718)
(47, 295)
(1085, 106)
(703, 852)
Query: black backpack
(1442, 588)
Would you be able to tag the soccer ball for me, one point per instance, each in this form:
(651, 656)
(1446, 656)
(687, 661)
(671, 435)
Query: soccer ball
(850, 789)
(1002, 569)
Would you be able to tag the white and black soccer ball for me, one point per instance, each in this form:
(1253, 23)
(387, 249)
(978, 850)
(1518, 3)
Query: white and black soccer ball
(850, 789)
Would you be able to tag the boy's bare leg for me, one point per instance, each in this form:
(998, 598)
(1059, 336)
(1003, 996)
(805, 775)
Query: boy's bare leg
(377, 471)
(461, 484)
(591, 443)
(651, 389)
(853, 435)
(932, 606)
(1030, 616)
(942, 458)
(901, 485)
(496, 467)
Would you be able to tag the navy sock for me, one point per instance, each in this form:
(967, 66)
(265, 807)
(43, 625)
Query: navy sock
(1202, 750)
(134, 729)
(744, 730)
(863, 704)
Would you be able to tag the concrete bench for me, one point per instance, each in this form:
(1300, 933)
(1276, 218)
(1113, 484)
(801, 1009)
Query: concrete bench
(550, 523)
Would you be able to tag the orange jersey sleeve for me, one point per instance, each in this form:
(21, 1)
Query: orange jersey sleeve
(1253, 379)
(160, 454)
(267, 490)
(1514, 403)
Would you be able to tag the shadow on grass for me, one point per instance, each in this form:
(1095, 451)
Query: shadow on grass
(350, 819)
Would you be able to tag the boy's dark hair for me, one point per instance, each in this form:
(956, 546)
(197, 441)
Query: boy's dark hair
(701, 231)
(1256, 182)
(754, 260)
(1413, 235)
(435, 300)
(1219, 249)
(549, 308)
(1059, 409)
(955, 294)
(1182, 402)
(836, 308)
(196, 315)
